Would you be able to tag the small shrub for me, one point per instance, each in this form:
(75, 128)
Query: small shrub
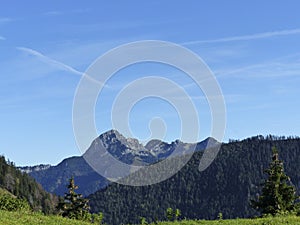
(173, 214)
(169, 214)
(10, 203)
(177, 214)
(97, 218)
(220, 216)
(143, 221)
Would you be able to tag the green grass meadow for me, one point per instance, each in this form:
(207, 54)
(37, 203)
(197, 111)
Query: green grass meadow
(28, 218)
(259, 221)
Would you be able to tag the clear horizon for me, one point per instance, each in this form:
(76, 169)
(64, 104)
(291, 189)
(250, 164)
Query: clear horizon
(252, 48)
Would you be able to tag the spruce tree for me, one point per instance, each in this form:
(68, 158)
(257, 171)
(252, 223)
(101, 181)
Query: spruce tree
(73, 205)
(278, 194)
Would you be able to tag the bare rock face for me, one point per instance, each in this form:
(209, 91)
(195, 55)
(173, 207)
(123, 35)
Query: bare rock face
(29, 169)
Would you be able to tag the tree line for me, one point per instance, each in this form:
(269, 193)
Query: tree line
(25, 188)
(235, 185)
(227, 186)
(278, 197)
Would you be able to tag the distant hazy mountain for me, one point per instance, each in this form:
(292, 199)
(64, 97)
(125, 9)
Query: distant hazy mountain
(128, 150)
(55, 178)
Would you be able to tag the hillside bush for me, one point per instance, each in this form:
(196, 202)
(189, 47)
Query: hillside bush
(10, 203)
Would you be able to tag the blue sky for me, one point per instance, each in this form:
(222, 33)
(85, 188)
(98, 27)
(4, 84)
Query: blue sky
(252, 47)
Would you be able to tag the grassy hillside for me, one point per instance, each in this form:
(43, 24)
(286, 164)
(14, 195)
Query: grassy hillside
(21, 218)
(5, 192)
(261, 221)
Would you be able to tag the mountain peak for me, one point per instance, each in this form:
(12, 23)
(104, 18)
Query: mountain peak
(130, 150)
(110, 133)
(124, 149)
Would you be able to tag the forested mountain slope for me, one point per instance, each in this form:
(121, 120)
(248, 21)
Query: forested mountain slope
(226, 186)
(23, 186)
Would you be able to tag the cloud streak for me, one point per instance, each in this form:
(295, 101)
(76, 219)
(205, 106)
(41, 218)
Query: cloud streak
(2, 38)
(57, 64)
(50, 61)
(266, 70)
(247, 37)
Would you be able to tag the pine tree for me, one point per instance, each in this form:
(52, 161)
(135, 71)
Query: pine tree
(278, 194)
(169, 214)
(73, 205)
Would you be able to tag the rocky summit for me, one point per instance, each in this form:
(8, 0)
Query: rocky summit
(127, 150)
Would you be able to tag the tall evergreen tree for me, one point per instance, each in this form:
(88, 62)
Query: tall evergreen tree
(278, 194)
(73, 205)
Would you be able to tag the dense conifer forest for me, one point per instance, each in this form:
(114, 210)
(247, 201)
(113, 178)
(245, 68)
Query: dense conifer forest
(226, 186)
(25, 187)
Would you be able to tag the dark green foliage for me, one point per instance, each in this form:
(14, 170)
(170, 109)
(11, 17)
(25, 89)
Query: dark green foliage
(143, 221)
(74, 206)
(226, 186)
(172, 214)
(220, 216)
(278, 195)
(97, 218)
(12, 203)
(25, 187)
(177, 214)
(169, 214)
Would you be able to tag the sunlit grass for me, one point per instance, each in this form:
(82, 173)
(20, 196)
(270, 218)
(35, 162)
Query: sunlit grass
(23, 218)
(259, 221)
(27, 218)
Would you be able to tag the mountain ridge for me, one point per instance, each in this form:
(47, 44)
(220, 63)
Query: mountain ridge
(128, 150)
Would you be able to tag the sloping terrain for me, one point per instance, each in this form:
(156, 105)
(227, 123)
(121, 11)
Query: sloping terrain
(226, 186)
(22, 186)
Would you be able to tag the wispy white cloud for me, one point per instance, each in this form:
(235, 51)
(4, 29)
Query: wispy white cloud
(228, 98)
(284, 66)
(247, 37)
(2, 38)
(50, 61)
(267, 70)
(55, 63)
